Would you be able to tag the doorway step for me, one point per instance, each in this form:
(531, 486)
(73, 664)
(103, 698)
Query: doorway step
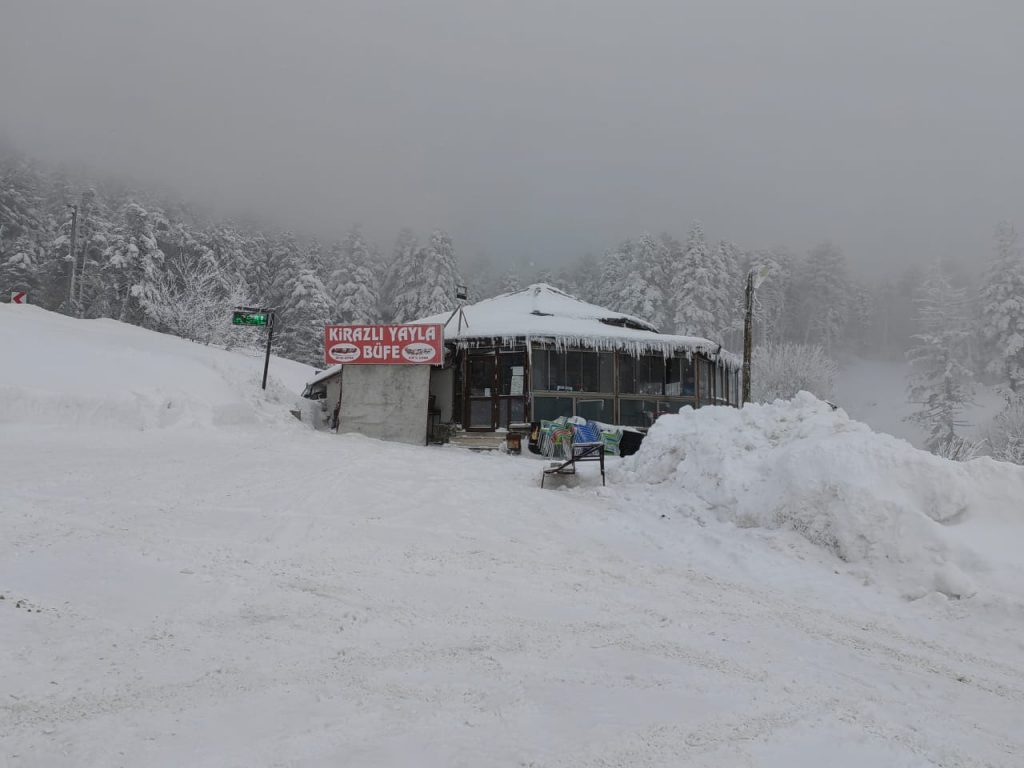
(479, 441)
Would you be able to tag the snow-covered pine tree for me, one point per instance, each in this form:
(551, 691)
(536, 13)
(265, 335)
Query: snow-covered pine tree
(1001, 311)
(587, 279)
(401, 282)
(771, 297)
(614, 268)
(510, 282)
(860, 326)
(639, 291)
(94, 232)
(229, 250)
(284, 262)
(439, 277)
(825, 291)
(700, 291)
(730, 263)
(353, 288)
(940, 383)
(316, 259)
(259, 276)
(307, 310)
(132, 264)
(19, 266)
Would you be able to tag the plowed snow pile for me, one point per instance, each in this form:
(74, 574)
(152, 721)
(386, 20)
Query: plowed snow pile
(893, 512)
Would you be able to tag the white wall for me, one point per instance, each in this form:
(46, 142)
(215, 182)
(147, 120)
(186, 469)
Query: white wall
(442, 383)
(388, 402)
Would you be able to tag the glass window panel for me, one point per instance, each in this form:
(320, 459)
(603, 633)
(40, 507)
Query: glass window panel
(595, 409)
(517, 410)
(651, 375)
(574, 371)
(669, 406)
(481, 375)
(591, 364)
(550, 408)
(689, 377)
(679, 378)
(480, 413)
(638, 413)
(627, 374)
(557, 379)
(539, 369)
(510, 366)
(607, 367)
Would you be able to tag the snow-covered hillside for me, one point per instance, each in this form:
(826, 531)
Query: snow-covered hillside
(226, 587)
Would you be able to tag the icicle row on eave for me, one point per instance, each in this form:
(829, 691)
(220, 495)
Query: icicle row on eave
(632, 347)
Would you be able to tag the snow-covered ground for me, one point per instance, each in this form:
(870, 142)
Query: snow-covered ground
(191, 577)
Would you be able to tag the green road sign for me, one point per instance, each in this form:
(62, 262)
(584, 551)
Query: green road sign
(239, 317)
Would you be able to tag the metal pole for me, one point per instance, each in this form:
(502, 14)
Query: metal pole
(270, 337)
(74, 243)
(748, 324)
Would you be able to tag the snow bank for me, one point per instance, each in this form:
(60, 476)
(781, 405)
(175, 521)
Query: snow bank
(61, 371)
(887, 509)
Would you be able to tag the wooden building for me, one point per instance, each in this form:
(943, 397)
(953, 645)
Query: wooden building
(540, 353)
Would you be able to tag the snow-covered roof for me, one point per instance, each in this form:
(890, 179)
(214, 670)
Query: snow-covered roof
(543, 313)
(324, 374)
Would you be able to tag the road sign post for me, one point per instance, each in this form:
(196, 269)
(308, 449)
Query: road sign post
(257, 317)
(270, 338)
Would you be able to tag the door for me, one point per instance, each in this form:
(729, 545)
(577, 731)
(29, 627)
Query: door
(481, 381)
(511, 394)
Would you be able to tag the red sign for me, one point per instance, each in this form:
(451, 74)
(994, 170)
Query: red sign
(19, 297)
(383, 344)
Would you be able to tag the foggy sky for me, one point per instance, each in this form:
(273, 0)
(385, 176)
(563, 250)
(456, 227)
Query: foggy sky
(542, 130)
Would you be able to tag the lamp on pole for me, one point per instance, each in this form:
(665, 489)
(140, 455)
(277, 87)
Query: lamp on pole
(754, 279)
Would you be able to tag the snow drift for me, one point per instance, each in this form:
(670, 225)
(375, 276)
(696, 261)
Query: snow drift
(61, 371)
(888, 510)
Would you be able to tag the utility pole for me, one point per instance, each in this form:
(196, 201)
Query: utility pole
(74, 260)
(748, 328)
(754, 279)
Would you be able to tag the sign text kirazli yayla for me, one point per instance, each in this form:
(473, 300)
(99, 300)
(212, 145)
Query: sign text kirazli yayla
(383, 344)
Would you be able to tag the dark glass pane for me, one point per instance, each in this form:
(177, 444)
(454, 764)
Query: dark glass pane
(591, 376)
(689, 387)
(480, 413)
(557, 379)
(637, 413)
(595, 409)
(607, 366)
(481, 375)
(516, 410)
(511, 371)
(651, 375)
(574, 371)
(627, 374)
(673, 376)
(539, 369)
(550, 408)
